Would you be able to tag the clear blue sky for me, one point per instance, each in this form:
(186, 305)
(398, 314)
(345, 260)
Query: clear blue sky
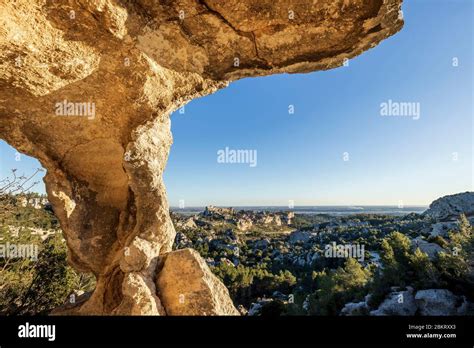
(300, 155)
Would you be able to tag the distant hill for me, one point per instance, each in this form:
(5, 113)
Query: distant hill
(451, 206)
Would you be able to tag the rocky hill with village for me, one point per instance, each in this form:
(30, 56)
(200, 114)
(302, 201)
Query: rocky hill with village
(388, 265)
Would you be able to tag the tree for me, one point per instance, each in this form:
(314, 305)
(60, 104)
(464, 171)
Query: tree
(52, 279)
(455, 265)
(284, 281)
(275, 308)
(425, 275)
(32, 287)
(462, 239)
(401, 267)
(396, 249)
(12, 187)
(464, 226)
(338, 287)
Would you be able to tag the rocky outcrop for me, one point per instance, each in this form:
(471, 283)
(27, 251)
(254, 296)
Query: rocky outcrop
(87, 88)
(430, 249)
(35, 202)
(450, 207)
(289, 217)
(442, 228)
(244, 224)
(267, 219)
(437, 302)
(186, 286)
(430, 302)
(397, 303)
(356, 308)
(186, 224)
(217, 212)
(299, 237)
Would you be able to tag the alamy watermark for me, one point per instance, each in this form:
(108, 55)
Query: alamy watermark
(19, 251)
(402, 109)
(68, 108)
(37, 331)
(241, 156)
(355, 251)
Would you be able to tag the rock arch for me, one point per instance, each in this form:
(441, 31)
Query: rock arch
(136, 62)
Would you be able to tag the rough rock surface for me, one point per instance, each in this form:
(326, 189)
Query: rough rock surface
(87, 87)
(397, 303)
(299, 237)
(429, 302)
(431, 249)
(451, 206)
(437, 302)
(187, 286)
(442, 228)
(356, 308)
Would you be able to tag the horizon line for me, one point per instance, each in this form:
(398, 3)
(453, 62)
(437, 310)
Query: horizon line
(302, 206)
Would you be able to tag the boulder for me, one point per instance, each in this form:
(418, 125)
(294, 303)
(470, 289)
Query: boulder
(442, 228)
(299, 237)
(355, 309)
(189, 224)
(431, 249)
(256, 307)
(186, 286)
(244, 224)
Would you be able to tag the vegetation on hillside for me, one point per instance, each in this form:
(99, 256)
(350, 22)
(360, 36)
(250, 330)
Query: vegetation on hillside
(295, 277)
(40, 279)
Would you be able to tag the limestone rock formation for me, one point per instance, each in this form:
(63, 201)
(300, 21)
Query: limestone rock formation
(356, 308)
(430, 249)
(437, 302)
(451, 206)
(427, 302)
(186, 286)
(87, 87)
(397, 303)
(244, 224)
(300, 237)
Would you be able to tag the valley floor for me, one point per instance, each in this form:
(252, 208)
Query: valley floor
(276, 262)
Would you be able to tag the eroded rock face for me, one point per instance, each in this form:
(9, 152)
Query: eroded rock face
(87, 88)
(437, 302)
(451, 206)
(430, 249)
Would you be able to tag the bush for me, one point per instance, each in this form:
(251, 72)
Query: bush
(30, 288)
(401, 267)
(246, 284)
(338, 287)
